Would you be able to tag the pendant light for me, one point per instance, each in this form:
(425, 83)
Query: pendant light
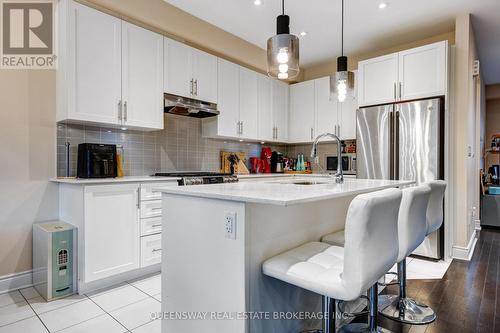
(342, 83)
(283, 50)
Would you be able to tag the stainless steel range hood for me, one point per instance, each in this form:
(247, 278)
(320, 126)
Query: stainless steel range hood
(189, 107)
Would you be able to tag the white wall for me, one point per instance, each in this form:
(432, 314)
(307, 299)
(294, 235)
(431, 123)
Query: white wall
(28, 155)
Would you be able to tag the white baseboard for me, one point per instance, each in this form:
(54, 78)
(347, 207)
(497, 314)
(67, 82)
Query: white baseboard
(16, 281)
(465, 253)
(478, 224)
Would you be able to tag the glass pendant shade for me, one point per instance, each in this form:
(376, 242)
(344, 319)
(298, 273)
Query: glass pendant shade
(283, 52)
(342, 83)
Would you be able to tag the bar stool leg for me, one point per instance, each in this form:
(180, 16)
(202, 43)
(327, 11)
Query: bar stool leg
(372, 326)
(404, 309)
(329, 319)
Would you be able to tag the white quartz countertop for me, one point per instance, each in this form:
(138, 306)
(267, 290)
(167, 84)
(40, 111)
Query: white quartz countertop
(285, 192)
(126, 179)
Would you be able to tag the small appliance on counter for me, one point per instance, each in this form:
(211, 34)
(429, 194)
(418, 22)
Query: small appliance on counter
(277, 165)
(96, 161)
(53, 259)
(494, 173)
(266, 159)
(189, 178)
(348, 164)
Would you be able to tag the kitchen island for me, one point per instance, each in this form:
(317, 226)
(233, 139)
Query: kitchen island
(215, 238)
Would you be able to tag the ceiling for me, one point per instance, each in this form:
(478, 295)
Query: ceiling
(367, 28)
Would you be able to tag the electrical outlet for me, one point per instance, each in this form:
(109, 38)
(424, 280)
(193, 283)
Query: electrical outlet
(230, 225)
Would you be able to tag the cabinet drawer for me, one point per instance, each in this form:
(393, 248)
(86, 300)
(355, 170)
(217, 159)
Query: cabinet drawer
(150, 250)
(150, 226)
(147, 192)
(150, 208)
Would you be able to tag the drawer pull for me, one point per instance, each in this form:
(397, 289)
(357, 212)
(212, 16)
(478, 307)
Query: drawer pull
(156, 208)
(156, 250)
(156, 225)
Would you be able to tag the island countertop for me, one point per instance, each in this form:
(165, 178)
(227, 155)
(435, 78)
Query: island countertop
(285, 192)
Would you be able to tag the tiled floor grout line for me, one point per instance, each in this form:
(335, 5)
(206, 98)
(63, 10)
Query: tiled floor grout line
(110, 314)
(32, 309)
(152, 296)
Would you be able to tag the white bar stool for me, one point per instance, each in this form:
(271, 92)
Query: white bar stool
(338, 273)
(435, 211)
(412, 230)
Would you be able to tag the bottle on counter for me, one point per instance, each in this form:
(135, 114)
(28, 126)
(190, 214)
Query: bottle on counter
(119, 160)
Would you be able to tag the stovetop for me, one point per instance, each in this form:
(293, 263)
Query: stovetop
(191, 174)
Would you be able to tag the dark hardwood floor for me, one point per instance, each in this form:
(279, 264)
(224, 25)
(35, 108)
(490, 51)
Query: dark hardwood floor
(467, 299)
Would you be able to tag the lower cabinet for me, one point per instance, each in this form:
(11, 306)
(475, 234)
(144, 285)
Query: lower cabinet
(111, 231)
(150, 250)
(119, 230)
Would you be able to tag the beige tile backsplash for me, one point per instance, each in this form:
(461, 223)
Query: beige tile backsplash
(179, 147)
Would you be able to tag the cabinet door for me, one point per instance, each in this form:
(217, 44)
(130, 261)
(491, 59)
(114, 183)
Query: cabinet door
(378, 79)
(111, 230)
(142, 77)
(248, 104)
(205, 76)
(326, 107)
(422, 71)
(266, 127)
(178, 64)
(94, 66)
(229, 98)
(302, 112)
(347, 114)
(280, 98)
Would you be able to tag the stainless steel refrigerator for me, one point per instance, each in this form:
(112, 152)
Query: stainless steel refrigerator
(404, 141)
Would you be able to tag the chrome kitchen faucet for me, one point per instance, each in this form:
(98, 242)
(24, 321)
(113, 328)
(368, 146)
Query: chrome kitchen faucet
(339, 175)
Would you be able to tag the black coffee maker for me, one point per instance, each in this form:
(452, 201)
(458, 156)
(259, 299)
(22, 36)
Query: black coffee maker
(277, 165)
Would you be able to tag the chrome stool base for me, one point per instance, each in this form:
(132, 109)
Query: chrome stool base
(405, 310)
(361, 328)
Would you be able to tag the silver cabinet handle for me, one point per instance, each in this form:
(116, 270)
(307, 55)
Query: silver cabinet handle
(238, 128)
(395, 91)
(120, 110)
(338, 133)
(125, 111)
(400, 90)
(312, 133)
(241, 128)
(276, 137)
(196, 87)
(138, 198)
(156, 250)
(155, 225)
(191, 86)
(156, 208)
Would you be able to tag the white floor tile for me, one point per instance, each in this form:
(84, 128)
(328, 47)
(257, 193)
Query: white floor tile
(157, 297)
(15, 312)
(30, 325)
(40, 305)
(152, 327)
(71, 315)
(118, 297)
(424, 269)
(10, 298)
(104, 323)
(150, 286)
(137, 314)
(29, 292)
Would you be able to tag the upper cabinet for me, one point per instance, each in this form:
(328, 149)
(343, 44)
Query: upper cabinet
(189, 72)
(314, 111)
(416, 73)
(109, 71)
(266, 128)
(248, 104)
(280, 107)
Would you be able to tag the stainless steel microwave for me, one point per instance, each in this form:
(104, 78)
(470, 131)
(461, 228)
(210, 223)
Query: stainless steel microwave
(348, 163)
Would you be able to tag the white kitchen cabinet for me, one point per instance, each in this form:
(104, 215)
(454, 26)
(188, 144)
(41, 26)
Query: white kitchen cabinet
(280, 99)
(111, 230)
(150, 250)
(189, 72)
(142, 77)
(266, 127)
(302, 110)
(411, 74)
(327, 107)
(89, 76)
(248, 104)
(346, 129)
(109, 70)
(205, 76)
(378, 80)
(423, 71)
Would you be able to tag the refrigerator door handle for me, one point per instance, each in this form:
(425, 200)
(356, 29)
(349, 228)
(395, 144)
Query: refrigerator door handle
(396, 145)
(391, 145)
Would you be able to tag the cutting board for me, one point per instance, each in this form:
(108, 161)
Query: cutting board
(240, 168)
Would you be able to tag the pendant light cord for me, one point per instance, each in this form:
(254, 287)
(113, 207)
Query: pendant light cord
(283, 6)
(342, 47)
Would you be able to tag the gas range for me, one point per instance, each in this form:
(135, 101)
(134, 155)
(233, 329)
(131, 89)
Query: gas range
(199, 178)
